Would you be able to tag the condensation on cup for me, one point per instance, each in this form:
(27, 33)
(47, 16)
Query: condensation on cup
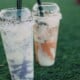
(46, 33)
(17, 36)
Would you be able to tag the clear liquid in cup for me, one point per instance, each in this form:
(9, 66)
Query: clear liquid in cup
(17, 39)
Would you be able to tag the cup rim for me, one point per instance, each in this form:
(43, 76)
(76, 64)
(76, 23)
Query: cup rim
(4, 11)
(47, 4)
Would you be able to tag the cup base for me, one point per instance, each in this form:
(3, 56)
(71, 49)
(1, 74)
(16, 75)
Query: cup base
(47, 65)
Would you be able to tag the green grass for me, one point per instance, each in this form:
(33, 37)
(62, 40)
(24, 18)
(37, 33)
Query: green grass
(67, 65)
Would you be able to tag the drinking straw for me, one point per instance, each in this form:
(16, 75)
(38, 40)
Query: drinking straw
(40, 7)
(19, 7)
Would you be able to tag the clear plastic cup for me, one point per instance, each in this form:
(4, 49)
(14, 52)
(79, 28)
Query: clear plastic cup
(46, 32)
(17, 36)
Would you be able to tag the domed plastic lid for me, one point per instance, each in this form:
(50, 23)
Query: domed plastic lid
(11, 15)
(47, 7)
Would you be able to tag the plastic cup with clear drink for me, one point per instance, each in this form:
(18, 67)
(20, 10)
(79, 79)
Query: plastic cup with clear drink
(46, 32)
(17, 36)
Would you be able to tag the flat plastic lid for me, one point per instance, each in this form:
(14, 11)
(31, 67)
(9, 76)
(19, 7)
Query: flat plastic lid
(11, 14)
(47, 6)
(50, 10)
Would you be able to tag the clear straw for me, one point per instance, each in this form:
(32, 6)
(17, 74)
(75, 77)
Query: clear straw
(40, 8)
(19, 7)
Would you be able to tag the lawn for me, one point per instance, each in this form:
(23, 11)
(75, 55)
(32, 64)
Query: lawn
(67, 65)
